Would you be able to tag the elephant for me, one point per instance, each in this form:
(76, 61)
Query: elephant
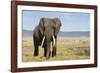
(45, 35)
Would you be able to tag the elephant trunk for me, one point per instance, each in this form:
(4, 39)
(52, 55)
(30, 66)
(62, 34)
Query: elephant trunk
(42, 41)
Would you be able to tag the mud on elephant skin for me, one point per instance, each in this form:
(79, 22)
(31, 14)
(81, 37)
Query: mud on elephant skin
(44, 34)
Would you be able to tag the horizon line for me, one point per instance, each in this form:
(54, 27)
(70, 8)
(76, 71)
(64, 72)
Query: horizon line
(61, 31)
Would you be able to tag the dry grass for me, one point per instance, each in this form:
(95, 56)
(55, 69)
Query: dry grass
(68, 48)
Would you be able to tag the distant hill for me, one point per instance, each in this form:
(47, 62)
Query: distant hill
(27, 33)
(74, 34)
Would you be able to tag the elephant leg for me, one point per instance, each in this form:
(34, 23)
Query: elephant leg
(55, 51)
(36, 49)
(50, 52)
(45, 51)
(55, 48)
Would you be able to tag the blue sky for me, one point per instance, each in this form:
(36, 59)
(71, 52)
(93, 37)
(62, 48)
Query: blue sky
(71, 21)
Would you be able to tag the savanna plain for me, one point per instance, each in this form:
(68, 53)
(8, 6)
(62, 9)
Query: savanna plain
(68, 48)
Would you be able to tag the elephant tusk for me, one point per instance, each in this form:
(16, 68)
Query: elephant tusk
(54, 40)
(42, 41)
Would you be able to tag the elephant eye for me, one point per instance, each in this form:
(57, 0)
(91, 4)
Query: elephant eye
(53, 27)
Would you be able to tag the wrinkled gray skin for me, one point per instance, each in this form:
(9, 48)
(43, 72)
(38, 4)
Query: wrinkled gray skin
(47, 28)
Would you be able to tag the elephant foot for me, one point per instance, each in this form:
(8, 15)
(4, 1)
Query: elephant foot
(47, 57)
(35, 54)
(53, 55)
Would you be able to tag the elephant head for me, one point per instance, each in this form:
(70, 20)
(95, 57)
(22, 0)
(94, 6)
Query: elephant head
(49, 27)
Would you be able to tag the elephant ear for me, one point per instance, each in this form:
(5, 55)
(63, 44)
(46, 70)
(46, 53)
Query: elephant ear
(57, 25)
(41, 25)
